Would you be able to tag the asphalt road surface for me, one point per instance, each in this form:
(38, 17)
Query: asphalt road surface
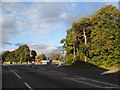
(50, 76)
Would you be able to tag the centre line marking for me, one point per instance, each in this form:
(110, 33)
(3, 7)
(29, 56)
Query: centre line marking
(17, 75)
(28, 86)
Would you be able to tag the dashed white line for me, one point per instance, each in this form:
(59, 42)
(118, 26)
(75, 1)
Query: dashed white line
(24, 82)
(17, 75)
(28, 86)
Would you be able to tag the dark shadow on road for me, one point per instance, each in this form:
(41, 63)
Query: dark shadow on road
(86, 65)
(85, 69)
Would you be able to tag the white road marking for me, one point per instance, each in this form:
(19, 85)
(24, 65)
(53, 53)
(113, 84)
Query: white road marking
(28, 86)
(97, 81)
(17, 75)
(112, 87)
(84, 82)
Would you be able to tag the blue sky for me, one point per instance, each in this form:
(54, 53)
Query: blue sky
(42, 25)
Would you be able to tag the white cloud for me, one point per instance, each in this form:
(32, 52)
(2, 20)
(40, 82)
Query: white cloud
(40, 48)
(8, 27)
(39, 18)
(43, 48)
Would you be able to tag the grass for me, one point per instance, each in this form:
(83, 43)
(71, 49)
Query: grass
(111, 68)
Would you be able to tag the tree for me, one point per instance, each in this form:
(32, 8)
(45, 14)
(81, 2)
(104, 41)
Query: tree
(33, 54)
(20, 54)
(105, 43)
(56, 56)
(75, 42)
(96, 39)
(5, 56)
(42, 57)
(83, 31)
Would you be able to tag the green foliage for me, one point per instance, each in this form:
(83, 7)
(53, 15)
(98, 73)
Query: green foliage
(74, 43)
(20, 54)
(33, 53)
(42, 57)
(4, 58)
(56, 56)
(105, 43)
(69, 59)
(102, 33)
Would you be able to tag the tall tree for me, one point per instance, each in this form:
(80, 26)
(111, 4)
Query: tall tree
(83, 31)
(105, 43)
(75, 42)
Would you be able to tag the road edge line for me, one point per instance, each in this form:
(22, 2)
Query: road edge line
(28, 85)
(17, 75)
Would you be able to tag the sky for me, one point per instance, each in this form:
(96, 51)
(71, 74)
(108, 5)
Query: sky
(41, 25)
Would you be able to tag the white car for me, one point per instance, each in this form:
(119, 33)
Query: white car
(45, 62)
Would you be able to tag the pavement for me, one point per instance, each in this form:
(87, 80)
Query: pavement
(51, 76)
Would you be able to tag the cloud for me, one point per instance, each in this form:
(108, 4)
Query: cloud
(40, 18)
(16, 44)
(19, 44)
(44, 48)
(8, 27)
(38, 47)
(8, 43)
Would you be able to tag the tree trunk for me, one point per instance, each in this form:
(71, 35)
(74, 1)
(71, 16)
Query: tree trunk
(85, 43)
(85, 37)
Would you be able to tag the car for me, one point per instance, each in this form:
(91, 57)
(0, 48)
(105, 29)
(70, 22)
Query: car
(45, 62)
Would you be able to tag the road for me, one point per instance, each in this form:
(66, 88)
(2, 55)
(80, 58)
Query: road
(50, 76)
